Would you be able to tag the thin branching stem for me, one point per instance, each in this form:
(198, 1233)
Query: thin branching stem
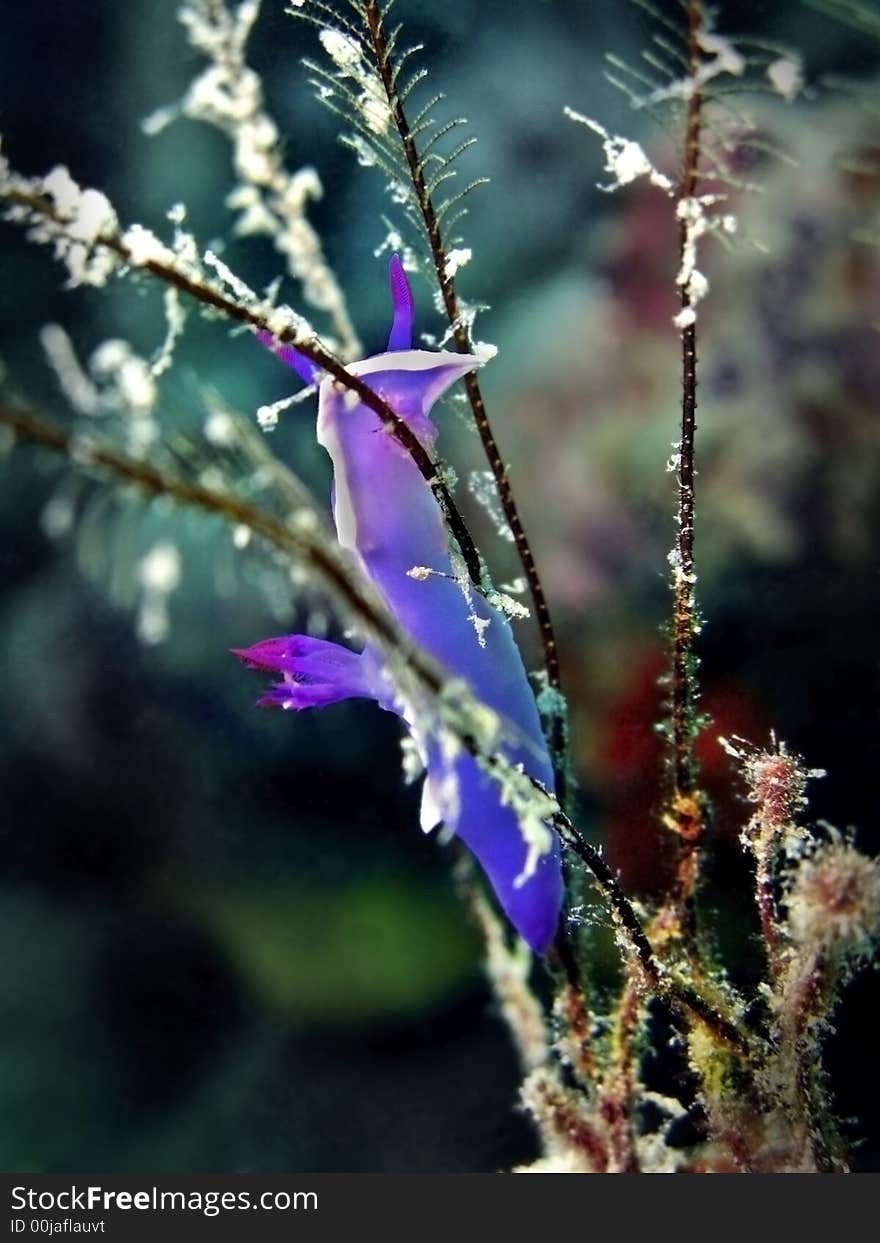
(765, 899)
(461, 336)
(681, 996)
(805, 1002)
(313, 550)
(210, 295)
(618, 1090)
(298, 545)
(687, 812)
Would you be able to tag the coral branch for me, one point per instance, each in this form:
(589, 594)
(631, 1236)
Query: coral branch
(618, 1092)
(272, 201)
(680, 996)
(337, 576)
(686, 810)
(462, 338)
(507, 970)
(300, 543)
(210, 295)
(447, 707)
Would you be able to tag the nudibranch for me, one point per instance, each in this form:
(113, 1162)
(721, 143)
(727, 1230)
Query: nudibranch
(387, 517)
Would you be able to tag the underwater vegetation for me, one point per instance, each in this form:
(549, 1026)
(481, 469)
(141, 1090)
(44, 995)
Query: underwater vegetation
(589, 620)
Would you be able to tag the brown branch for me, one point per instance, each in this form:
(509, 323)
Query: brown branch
(340, 580)
(686, 812)
(315, 550)
(461, 336)
(681, 997)
(803, 1003)
(619, 1087)
(765, 900)
(507, 969)
(573, 1041)
(210, 295)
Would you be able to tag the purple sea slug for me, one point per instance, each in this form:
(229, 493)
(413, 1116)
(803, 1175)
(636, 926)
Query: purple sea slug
(386, 515)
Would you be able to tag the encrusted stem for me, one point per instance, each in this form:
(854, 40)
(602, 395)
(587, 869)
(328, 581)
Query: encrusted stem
(681, 997)
(619, 1088)
(309, 547)
(461, 336)
(686, 812)
(574, 1038)
(210, 295)
(802, 1004)
(507, 970)
(763, 851)
(312, 549)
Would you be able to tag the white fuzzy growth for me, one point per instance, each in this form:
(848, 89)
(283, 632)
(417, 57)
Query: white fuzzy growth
(342, 50)
(57, 515)
(698, 285)
(551, 703)
(79, 390)
(88, 212)
(144, 247)
(117, 381)
(480, 625)
(283, 321)
(463, 714)
(371, 102)
(272, 201)
(726, 56)
(365, 155)
(126, 378)
(220, 428)
(175, 318)
(624, 159)
(697, 222)
(267, 416)
(506, 604)
(76, 223)
(412, 762)
(160, 569)
(722, 56)
(678, 574)
(159, 119)
(238, 287)
(786, 77)
(159, 574)
(255, 219)
(456, 259)
(692, 282)
(463, 582)
(373, 106)
(534, 809)
(484, 490)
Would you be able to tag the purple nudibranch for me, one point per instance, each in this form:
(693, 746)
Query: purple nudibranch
(387, 517)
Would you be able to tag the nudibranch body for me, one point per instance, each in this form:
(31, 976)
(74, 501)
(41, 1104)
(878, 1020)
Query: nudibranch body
(387, 517)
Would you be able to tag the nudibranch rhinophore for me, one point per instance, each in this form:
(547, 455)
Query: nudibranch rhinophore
(388, 518)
